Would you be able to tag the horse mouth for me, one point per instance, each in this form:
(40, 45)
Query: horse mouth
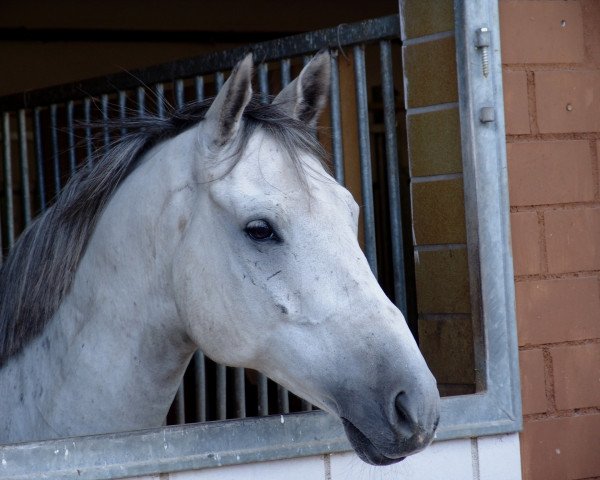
(365, 449)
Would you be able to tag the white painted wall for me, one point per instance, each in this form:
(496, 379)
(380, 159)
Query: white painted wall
(484, 458)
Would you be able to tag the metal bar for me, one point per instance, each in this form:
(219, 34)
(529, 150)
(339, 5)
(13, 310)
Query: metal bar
(263, 82)
(364, 144)
(283, 399)
(160, 100)
(54, 143)
(199, 87)
(200, 386)
(39, 157)
(219, 81)
(175, 448)
(24, 161)
(141, 101)
(123, 111)
(393, 175)
(221, 369)
(221, 392)
(305, 43)
(105, 132)
(336, 121)
(179, 404)
(286, 74)
(240, 392)
(87, 116)
(262, 381)
(8, 185)
(263, 394)
(179, 93)
(71, 137)
(180, 396)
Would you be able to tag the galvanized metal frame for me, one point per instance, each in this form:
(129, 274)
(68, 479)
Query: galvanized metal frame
(496, 409)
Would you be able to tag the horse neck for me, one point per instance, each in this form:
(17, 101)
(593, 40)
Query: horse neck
(115, 349)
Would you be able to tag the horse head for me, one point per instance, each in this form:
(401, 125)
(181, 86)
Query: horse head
(268, 273)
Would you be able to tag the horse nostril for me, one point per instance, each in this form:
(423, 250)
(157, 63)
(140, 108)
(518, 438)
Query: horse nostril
(406, 411)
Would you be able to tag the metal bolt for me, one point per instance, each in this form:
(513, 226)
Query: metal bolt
(487, 115)
(482, 42)
(569, 107)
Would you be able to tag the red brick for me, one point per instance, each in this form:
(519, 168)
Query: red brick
(525, 243)
(533, 386)
(516, 108)
(573, 239)
(551, 311)
(576, 376)
(550, 172)
(533, 32)
(568, 101)
(561, 448)
(591, 28)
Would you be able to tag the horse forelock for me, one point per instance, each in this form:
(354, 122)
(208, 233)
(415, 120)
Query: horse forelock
(39, 270)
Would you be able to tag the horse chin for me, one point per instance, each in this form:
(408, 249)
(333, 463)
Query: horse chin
(365, 449)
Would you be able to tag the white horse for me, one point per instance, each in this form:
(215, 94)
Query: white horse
(218, 229)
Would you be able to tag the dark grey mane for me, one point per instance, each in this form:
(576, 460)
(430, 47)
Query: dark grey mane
(41, 266)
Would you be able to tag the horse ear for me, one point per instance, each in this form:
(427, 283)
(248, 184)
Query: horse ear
(305, 97)
(224, 115)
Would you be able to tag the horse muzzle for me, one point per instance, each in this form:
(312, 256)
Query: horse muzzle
(410, 428)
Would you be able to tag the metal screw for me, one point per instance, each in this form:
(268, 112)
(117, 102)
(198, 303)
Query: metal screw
(483, 43)
(569, 107)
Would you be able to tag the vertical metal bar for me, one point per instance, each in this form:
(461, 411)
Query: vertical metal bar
(200, 386)
(179, 93)
(263, 394)
(199, 86)
(105, 132)
(221, 369)
(71, 137)
(240, 392)
(219, 81)
(263, 82)
(39, 157)
(141, 101)
(24, 160)
(123, 111)
(263, 382)
(286, 73)
(54, 142)
(160, 100)
(179, 404)
(87, 116)
(283, 399)
(221, 392)
(336, 121)
(393, 175)
(8, 185)
(365, 156)
(180, 396)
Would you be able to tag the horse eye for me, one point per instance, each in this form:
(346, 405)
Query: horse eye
(260, 230)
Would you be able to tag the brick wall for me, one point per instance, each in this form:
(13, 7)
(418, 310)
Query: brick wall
(551, 58)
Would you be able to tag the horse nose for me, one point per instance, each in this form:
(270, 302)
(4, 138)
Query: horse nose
(412, 416)
(406, 413)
